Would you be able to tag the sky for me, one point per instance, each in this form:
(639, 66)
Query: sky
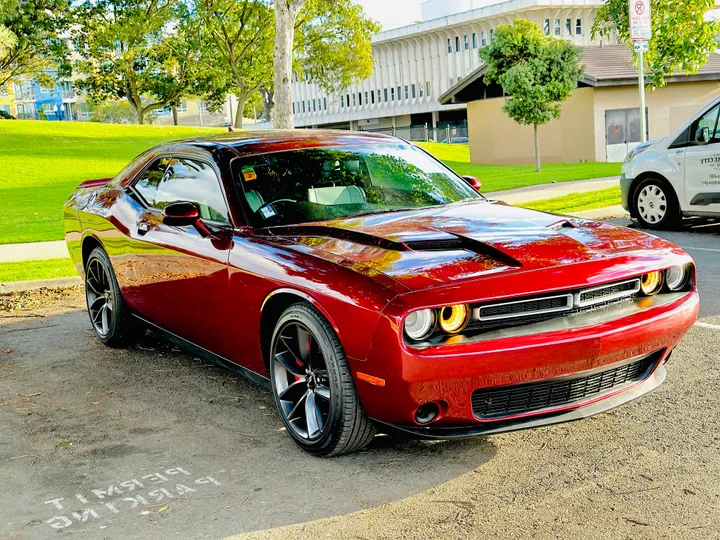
(392, 13)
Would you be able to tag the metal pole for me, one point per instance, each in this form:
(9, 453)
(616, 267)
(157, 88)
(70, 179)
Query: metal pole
(641, 82)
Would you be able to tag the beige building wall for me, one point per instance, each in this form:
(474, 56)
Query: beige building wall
(668, 108)
(496, 139)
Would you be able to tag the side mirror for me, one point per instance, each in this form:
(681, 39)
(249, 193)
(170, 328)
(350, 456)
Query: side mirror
(473, 182)
(702, 135)
(180, 214)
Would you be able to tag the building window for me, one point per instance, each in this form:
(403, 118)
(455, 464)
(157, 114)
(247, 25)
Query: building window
(183, 106)
(347, 99)
(399, 94)
(457, 43)
(474, 40)
(367, 102)
(483, 39)
(303, 106)
(413, 91)
(568, 27)
(420, 87)
(492, 34)
(293, 107)
(557, 27)
(342, 102)
(407, 92)
(546, 27)
(578, 27)
(354, 101)
(449, 46)
(84, 110)
(372, 97)
(44, 90)
(314, 105)
(392, 94)
(466, 42)
(325, 103)
(427, 89)
(308, 105)
(360, 101)
(386, 95)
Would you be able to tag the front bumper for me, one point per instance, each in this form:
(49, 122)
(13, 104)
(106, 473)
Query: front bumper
(450, 373)
(625, 191)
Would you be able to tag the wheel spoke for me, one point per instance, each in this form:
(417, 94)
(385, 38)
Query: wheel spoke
(313, 416)
(105, 319)
(294, 391)
(323, 392)
(303, 341)
(287, 359)
(298, 406)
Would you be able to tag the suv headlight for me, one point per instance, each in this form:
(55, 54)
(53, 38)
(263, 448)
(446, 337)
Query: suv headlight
(639, 149)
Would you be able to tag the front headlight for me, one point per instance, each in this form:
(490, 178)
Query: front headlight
(454, 318)
(636, 151)
(651, 283)
(676, 277)
(419, 324)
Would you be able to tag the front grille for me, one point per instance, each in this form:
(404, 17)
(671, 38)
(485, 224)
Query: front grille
(536, 306)
(605, 293)
(530, 397)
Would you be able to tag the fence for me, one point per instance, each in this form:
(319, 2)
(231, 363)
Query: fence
(425, 133)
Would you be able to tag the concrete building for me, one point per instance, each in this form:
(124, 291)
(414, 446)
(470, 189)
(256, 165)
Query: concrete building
(416, 64)
(599, 122)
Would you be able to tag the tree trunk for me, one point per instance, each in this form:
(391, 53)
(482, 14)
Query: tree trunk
(285, 14)
(240, 112)
(268, 102)
(140, 116)
(175, 115)
(537, 149)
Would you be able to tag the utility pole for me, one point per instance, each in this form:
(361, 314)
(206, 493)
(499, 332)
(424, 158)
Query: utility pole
(640, 34)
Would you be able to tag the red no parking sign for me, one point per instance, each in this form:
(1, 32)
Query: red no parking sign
(640, 27)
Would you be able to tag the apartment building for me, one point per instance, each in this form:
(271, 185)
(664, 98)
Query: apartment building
(416, 64)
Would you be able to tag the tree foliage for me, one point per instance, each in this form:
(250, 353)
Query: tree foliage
(30, 42)
(682, 38)
(236, 39)
(538, 73)
(139, 51)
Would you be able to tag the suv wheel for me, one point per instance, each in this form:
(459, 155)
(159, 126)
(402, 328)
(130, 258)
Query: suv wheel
(656, 205)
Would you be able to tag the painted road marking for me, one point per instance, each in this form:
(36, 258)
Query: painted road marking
(701, 249)
(707, 325)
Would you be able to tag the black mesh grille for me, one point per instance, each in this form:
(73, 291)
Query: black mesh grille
(540, 304)
(523, 398)
(607, 291)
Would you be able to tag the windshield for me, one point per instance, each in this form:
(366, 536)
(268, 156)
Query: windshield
(319, 184)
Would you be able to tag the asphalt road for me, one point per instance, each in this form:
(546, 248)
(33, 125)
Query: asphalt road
(153, 443)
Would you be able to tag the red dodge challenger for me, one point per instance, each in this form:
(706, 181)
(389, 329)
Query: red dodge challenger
(370, 287)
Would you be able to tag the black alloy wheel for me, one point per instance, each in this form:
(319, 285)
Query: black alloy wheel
(312, 385)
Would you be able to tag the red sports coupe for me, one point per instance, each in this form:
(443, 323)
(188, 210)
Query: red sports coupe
(370, 287)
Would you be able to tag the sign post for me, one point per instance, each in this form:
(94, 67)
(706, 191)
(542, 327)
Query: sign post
(640, 34)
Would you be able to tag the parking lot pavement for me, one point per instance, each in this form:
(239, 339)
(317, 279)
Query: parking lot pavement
(153, 443)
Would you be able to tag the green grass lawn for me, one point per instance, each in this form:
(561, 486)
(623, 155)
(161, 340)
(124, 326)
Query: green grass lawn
(502, 177)
(578, 201)
(28, 270)
(42, 162)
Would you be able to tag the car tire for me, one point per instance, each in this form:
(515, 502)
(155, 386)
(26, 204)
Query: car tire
(655, 205)
(312, 385)
(109, 316)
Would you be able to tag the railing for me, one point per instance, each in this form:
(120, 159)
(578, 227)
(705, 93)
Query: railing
(424, 133)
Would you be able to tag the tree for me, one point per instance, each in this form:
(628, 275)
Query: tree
(682, 38)
(236, 38)
(537, 72)
(30, 42)
(332, 45)
(114, 112)
(139, 51)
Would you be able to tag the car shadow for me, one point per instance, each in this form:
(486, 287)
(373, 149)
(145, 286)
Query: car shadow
(80, 417)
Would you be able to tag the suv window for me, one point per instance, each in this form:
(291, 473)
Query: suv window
(196, 182)
(149, 181)
(708, 120)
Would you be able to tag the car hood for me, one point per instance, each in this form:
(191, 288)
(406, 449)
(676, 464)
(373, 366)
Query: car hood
(464, 241)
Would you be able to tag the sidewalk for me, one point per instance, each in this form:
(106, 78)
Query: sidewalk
(550, 191)
(37, 251)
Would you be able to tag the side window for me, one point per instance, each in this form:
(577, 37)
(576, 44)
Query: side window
(149, 181)
(708, 120)
(193, 181)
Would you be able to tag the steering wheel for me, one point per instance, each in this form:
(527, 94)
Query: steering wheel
(273, 202)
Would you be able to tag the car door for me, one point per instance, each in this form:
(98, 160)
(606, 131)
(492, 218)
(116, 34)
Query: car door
(182, 275)
(702, 165)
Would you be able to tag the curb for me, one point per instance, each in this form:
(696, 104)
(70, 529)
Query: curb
(20, 286)
(602, 213)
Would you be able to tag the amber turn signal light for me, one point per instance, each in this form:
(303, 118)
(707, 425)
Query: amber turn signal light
(651, 283)
(454, 318)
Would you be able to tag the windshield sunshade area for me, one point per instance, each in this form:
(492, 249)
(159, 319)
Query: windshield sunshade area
(320, 184)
